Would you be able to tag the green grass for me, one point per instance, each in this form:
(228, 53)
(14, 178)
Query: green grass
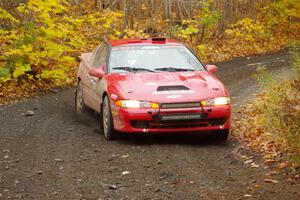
(280, 107)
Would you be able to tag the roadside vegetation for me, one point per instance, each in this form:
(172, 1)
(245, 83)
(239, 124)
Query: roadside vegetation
(271, 124)
(41, 40)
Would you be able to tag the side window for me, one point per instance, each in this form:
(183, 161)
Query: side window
(93, 54)
(100, 56)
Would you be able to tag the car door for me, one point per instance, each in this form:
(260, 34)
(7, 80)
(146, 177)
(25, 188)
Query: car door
(85, 66)
(97, 85)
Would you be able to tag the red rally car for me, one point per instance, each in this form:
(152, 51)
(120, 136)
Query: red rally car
(152, 85)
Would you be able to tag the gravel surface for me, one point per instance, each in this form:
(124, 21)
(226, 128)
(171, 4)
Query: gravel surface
(47, 152)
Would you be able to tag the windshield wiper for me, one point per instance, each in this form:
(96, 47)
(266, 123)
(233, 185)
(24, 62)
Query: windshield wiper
(133, 69)
(173, 69)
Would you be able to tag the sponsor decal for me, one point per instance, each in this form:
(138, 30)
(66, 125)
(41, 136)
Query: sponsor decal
(151, 83)
(173, 92)
(150, 47)
(174, 96)
(114, 96)
(188, 75)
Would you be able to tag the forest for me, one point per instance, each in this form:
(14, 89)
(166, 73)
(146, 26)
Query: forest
(41, 40)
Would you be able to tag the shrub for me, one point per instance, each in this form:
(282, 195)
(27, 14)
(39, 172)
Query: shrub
(277, 112)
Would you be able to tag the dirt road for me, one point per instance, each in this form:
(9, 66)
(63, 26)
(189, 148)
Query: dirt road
(56, 155)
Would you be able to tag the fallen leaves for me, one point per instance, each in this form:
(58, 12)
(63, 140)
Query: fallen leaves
(112, 187)
(12, 92)
(272, 173)
(126, 172)
(247, 195)
(254, 165)
(249, 130)
(29, 113)
(248, 161)
(270, 180)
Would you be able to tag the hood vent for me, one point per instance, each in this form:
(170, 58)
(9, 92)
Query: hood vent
(172, 87)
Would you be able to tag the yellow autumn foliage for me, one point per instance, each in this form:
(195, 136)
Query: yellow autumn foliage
(46, 43)
(42, 39)
(246, 30)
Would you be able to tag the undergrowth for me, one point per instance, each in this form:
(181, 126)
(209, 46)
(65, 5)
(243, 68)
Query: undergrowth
(272, 123)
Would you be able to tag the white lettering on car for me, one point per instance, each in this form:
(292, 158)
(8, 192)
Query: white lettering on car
(151, 83)
(114, 96)
(174, 96)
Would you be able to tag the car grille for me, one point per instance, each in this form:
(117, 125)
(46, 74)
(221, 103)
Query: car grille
(171, 124)
(180, 105)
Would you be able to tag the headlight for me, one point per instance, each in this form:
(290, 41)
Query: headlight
(220, 101)
(136, 104)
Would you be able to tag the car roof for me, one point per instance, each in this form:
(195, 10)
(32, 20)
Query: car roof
(138, 41)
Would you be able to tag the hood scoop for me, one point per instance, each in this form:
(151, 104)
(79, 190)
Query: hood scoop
(172, 87)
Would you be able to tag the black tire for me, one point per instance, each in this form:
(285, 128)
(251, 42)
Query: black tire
(221, 135)
(107, 120)
(79, 101)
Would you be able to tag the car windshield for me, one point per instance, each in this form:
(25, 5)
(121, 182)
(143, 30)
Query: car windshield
(153, 58)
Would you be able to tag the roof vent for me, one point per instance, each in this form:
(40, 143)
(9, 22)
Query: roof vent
(172, 87)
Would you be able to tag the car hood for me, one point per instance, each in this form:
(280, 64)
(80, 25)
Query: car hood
(165, 87)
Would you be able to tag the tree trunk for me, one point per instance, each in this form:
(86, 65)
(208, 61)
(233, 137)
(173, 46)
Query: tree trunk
(125, 8)
(100, 3)
(167, 9)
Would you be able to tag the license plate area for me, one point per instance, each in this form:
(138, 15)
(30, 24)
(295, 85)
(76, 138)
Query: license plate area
(179, 117)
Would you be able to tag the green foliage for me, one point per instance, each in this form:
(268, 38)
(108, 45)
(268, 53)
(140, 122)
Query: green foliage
(209, 17)
(280, 108)
(204, 22)
(4, 73)
(295, 55)
(272, 106)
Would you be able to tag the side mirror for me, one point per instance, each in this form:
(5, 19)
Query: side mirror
(97, 72)
(211, 68)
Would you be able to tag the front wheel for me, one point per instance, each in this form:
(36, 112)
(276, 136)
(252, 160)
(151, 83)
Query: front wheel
(107, 120)
(221, 135)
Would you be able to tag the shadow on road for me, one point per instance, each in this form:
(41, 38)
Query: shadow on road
(194, 139)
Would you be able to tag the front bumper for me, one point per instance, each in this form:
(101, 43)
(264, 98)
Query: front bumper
(150, 120)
